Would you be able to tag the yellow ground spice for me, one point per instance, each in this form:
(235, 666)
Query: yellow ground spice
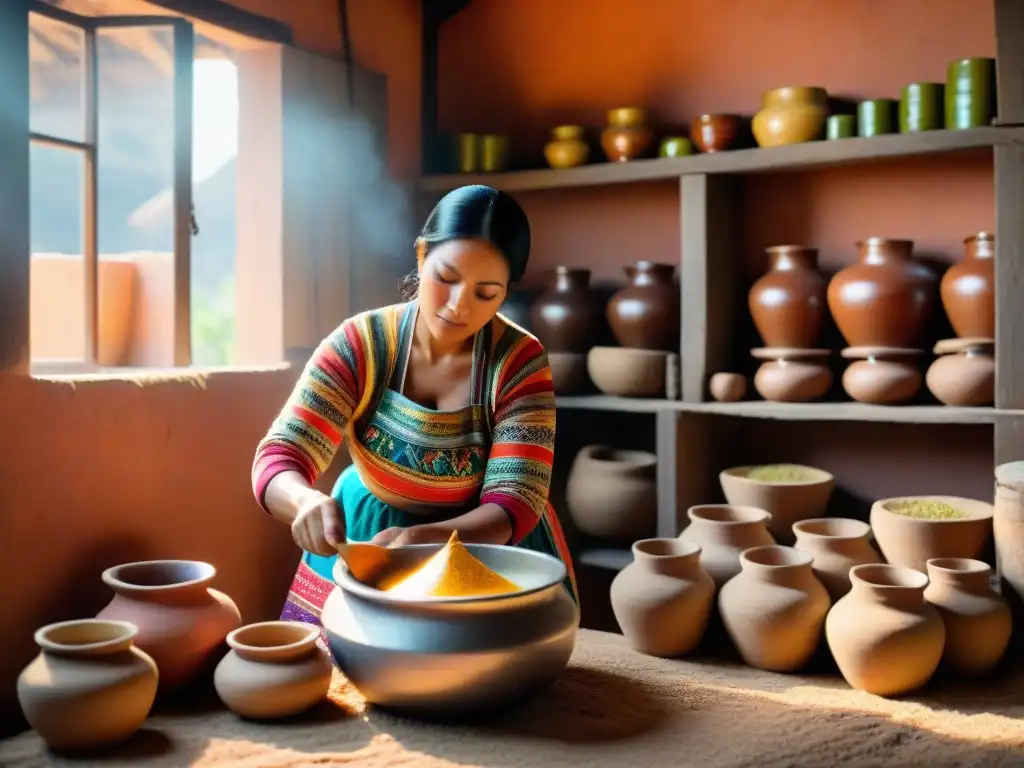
(780, 473)
(452, 572)
(926, 510)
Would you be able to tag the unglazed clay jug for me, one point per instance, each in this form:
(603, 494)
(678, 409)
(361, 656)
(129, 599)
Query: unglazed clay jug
(663, 599)
(837, 544)
(977, 620)
(723, 532)
(567, 147)
(775, 608)
(1008, 530)
(645, 314)
(968, 289)
(627, 134)
(790, 115)
(885, 638)
(88, 687)
(274, 669)
(788, 302)
(182, 621)
(566, 316)
(885, 299)
(612, 494)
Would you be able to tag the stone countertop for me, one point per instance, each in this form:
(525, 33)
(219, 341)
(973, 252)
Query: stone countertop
(612, 707)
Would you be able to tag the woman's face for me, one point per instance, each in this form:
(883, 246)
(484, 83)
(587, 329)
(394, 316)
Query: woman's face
(462, 284)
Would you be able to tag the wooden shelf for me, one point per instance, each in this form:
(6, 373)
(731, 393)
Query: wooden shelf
(760, 409)
(815, 154)
(609, 559)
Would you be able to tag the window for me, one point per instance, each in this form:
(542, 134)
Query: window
(134, 132)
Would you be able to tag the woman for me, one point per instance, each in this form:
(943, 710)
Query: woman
(448, 410)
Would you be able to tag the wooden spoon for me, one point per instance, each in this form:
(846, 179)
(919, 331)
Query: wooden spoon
(365, 561)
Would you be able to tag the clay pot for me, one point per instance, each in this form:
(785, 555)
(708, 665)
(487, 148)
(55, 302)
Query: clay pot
(627, 372)
(785, 502)
(88, 687)
(884, 637)
(611, 494)
(627, 134)
(663, 599)
(910, 542)
(569, 372)
(775, 608)
(274, 669)
(792, 375)
(1008, 529)
(565, 317)
(788, 302)
(964, 374)
(182, 621)
(727, 387)
(968, 289)
(837, 545)
(723, 531)
(790, 115)
(567, 148)
(881, 375)
(885, 299)
(977, 620)
(645, 314)
(714, 133)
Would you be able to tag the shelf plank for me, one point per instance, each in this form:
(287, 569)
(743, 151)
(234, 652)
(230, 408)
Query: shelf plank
(814, 154)
(760, 409)
(610, 559)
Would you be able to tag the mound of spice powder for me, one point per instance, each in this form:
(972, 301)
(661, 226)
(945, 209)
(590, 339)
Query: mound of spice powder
(780, 473)
(925, 509)
(451, 572)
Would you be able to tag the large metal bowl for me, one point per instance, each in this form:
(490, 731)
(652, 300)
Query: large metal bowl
(452, 656)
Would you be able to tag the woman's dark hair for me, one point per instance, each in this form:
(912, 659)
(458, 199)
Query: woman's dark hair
(481, 213)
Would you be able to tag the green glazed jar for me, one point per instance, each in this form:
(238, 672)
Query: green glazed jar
(840, 127)
(922, 107)
(876, 117)
(970, 93)
(675, 146)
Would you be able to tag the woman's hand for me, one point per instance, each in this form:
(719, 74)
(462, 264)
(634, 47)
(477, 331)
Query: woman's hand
(318, 527)
(414, 534)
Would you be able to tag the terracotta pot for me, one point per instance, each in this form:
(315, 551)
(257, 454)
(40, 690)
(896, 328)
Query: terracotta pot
(881, 375)
(792, 375)
(565, 317)
(837, 545)
(611, 494)
(663, 599)
(785, 502)
(885, 299)
(775, 608)
(88, 687)
(714, 133)
(723, 531)
(567, 148)
(182, 621)
(1008, 529)
(627, 134)
(968, 289)
(964, 374)
(645, 314)
(788, 302)
(569, 372)
(790, 115)
(910, 542)
(727, 387)
(885, 638)
(977, 620)
(274, 669)
(627, 372)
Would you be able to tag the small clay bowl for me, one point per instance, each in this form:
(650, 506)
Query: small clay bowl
(911, 542)
(964, 373)
(791, 375)
(714, 133)
(569, 372)
(786, 502)
(727, 387)
(628, 372)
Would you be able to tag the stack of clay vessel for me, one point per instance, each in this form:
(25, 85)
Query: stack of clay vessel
(881, 306)
(644, 317)
(663, 599)
(723, 532)
(964, 372)
(786, 499)
(566, 319)
(626, 135)
(787, 305)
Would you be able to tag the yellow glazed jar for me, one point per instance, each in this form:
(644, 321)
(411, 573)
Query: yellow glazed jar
(790, 115)
(567, 148)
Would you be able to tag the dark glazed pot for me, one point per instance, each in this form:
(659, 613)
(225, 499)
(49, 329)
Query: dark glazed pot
(969, 291)
(788, 302)
(566, 317)
(645, 314)
(885, 299)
